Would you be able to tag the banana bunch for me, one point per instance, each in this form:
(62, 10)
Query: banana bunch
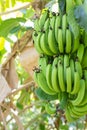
(62, 65)
(53, 36)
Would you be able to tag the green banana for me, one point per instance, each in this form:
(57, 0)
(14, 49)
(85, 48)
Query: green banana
(85, 38)
(82, 110)
(66, 64)
(72, 69)
(43, 84)
(43, 18)
(78, 68)
(60, 40)
(55, 61)
(35, 77)
(84, 60)
(68, 115)
(52, 21)
(48, 76)
(36, 25)
(78, 113)
(46, 24)
(50, 109)
(43, 61)
(76, 85)
(75, 44)
(68, 79)
(54, 78)
(57, 25)
(61, 75)
(80, 95)
(84, 101)
(85, 77)
(73, 113)
(37, 42)
(68, 41)
(64, 27)
(44, 45)
(80, 52)
(52, 41)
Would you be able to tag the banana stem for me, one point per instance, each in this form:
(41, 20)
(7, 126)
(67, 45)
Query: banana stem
(69, 5)
(63, 100)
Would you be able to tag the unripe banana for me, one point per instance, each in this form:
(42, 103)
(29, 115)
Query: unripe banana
(68, 41)
(68, 79)
(60, 40)
(43, 61)
(52, 41)
(66, 64)
(54, 78)
(48, 76)
(82, 110)
(43, 18)
(46, 25)
(57, 25)
(84, 60)
(44, 45)
(73, 113)
(80, 95)
(43, 84)
(35, 77)
(64, 26)
(85, 77)
(85, 38)
(61, 76)
(52, 21)
(76, 85)
(78, 68)
(68, 115)
(75, 44)
(80, 52)
(72, 69)
(50, 109)
(36, 39)
(36, 25)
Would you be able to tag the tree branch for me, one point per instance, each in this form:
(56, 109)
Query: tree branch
(16, 9)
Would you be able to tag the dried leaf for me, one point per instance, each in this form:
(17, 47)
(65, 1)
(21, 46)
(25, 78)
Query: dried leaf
(12, 77)
(4, 88)
(29, 59)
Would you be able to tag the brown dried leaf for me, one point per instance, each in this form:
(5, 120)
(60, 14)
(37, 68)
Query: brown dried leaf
(4, 88)
(29, 59)
(12, 77)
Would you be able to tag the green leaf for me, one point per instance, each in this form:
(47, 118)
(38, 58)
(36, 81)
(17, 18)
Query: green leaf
(29, 12)
(15, 29)
(43, 96)
(80, 13)
(73, 23)
(2, 42)
(20, 106)
(7, 25)
(41, 126)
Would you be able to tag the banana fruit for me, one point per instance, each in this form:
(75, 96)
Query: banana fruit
(62, 65)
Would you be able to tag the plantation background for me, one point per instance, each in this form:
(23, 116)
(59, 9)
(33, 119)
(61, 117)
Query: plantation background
(20, 107)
